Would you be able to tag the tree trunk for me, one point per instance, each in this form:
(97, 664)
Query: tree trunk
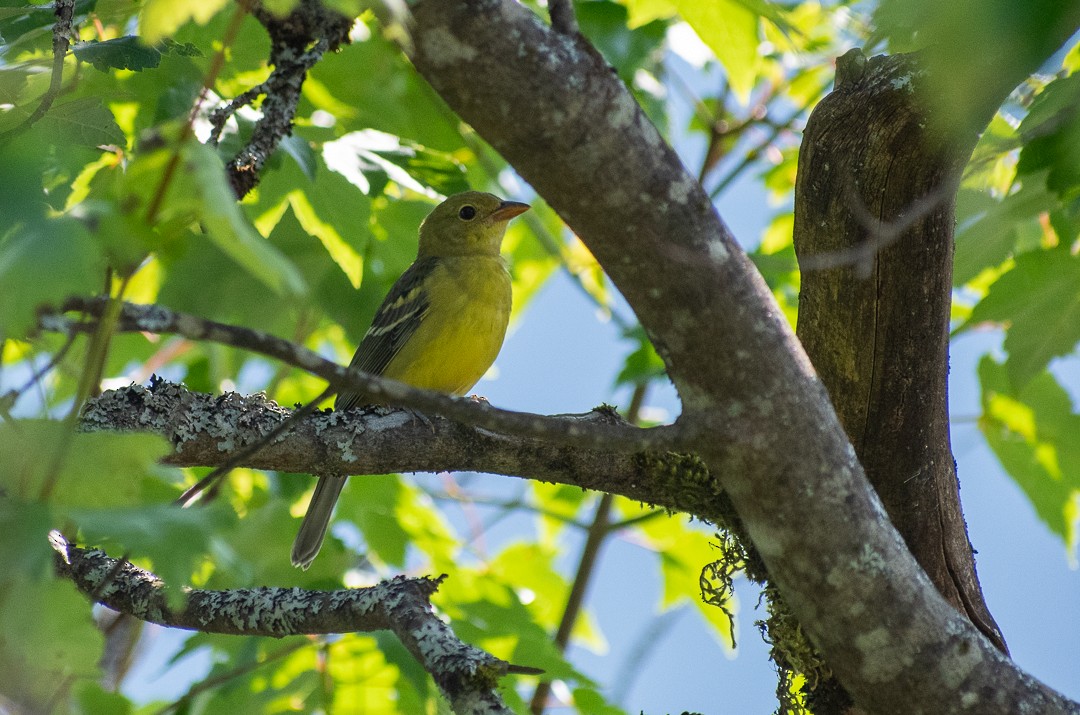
(875, 302)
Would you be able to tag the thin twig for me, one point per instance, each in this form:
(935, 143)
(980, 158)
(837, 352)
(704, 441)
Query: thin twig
(590, 552)
(64, 9)
(880, 234)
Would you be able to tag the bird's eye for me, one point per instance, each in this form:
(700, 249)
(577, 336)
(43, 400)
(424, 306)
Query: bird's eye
(467, 212)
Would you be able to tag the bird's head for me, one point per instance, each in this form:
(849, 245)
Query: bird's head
(467, 224)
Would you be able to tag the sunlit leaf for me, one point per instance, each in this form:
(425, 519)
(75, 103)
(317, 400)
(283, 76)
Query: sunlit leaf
(1039, 302)
(160, 18)
(731, 31)
(228, 227)
(1033, 433)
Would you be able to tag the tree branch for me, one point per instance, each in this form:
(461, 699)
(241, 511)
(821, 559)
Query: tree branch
(466, 676)
(874, 224)
(206, 429)
(610, 434)
(297, 41)
(894, 643)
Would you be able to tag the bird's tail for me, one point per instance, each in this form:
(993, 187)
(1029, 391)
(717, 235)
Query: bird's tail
(312, 530)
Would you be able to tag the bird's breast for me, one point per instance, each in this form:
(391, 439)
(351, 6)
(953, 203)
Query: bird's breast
(463, 330)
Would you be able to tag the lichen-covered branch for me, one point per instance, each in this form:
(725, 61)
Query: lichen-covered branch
(609, 433)
(465, 675)
(206, 429)
(297, 41)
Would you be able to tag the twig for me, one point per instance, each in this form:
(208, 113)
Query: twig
(562, 15)
(880, 234)
(590, 552)
(62, 30)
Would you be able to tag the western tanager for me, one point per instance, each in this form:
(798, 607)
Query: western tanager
(440, 326)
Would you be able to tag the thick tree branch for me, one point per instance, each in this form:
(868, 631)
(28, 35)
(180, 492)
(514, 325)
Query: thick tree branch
(466, 676)
(883, 349)
(877, 327)
(205, 430)
(612, 433)
(895, 644)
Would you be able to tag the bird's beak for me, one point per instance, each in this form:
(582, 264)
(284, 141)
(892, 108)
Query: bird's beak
(508, 210)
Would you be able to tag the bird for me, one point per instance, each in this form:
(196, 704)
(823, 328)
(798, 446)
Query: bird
(440, 326)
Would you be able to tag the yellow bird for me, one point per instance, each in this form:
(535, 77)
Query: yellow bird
(439, 328)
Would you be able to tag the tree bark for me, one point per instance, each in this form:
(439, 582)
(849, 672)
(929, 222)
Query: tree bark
(874, 226)
(554, 109)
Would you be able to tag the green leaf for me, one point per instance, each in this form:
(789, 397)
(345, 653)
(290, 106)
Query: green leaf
(369, 157)
(1052, 133)
(100, 469)
(229, 229)
(731, 31)
(301, 153)
(84, 121)
(93, 699)
(341, 251)
(589, 701)
(126, 53)
(24, 529)
(558, 504)
(1033, 434)
(643, 365)
(642, 12)
(488, 612)
(392, 515)
(388, 96)
(1039, 302)
(43, 263)
(13, 80)
(627, 47)
(991, 231)
(160, 18)
(434, 169)
(372, 502)
(47, 637)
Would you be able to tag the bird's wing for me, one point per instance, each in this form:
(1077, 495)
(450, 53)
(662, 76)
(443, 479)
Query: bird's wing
(395, 321)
